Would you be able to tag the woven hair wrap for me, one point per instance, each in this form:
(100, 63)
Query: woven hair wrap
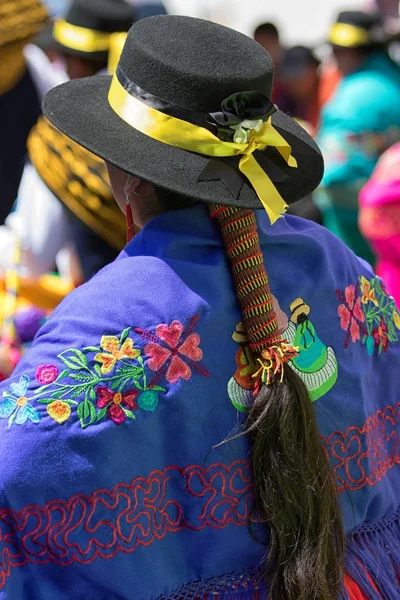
(240, 235)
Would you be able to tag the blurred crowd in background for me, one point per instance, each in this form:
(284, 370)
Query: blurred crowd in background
(58, 222)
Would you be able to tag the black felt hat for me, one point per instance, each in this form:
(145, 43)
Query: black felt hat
(187, 67)
(88, 25)
(357, 29)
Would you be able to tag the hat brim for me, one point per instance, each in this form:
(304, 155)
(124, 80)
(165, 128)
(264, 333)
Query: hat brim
(80, 109)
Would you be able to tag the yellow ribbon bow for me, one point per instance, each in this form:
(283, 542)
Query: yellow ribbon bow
(186, 136)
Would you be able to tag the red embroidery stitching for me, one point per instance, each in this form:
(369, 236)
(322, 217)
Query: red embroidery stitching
(363, 456)
(101, 525)
(84, 528)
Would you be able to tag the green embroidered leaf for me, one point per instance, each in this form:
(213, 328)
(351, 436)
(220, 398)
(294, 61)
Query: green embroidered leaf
(91, 349)
(82, 376)
(158, 388)
(73, 359)
(11, 419)
(93, 413)
(80, 414)
(129, 414)
(63, 374)
(86, 410)
(97, 368)
(71, 402)
(92, 394)
(46, 400)
(38, 390)
(124, 335)
(131, 372)
(86, 413)
(78, 391)
(391, 330)
(115, 384)
(101, 414)
(57, 394)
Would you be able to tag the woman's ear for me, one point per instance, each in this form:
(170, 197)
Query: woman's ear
(131, 185)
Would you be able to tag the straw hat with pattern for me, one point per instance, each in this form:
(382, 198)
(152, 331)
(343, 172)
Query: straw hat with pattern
(20, 19)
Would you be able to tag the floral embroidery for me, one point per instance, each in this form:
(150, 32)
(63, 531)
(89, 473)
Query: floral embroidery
(109, 381)
(179, 343)
(368, 292)
(59, 411)
(113, 351)
(16, 406)
(46, 374)
(350, 313)
(380, 335)
(117, 404)
(369, 314)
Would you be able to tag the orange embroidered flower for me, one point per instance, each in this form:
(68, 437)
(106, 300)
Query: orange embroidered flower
(368, 292)
(59, 411)
(112, 352)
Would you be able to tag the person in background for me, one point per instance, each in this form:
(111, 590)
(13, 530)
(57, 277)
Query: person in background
(361, 121)
(300, 77)
(379, 218)
(300, 80)
(83, 37)
(19, 98)
(75, 179)
(267, 35)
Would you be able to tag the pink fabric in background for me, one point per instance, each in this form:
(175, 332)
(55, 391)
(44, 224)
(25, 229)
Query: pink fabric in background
(379, 218)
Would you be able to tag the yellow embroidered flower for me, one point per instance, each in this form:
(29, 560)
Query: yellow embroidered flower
(112, 352)
(59, 411)
(396, 319)
(368, 292)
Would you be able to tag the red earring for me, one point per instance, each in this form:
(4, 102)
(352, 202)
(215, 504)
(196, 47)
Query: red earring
(129, 219)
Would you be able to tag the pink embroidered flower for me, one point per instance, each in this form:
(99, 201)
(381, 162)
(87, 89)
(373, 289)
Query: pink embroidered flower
(174, 351)
(115, 403)
(350, 313)
(46, 374)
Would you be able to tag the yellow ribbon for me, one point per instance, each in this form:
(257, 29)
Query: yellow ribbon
(348, 36)
(117, 43)
(80, 38)
(186, 136)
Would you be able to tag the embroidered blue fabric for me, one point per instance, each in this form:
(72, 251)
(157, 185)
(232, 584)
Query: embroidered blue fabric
(111, 484)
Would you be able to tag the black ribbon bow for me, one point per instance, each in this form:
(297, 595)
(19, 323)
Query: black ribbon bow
(252, 106)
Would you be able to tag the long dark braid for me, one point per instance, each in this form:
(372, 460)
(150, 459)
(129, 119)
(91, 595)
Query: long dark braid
(294, 489)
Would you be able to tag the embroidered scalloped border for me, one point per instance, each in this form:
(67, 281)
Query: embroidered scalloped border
(221, 496)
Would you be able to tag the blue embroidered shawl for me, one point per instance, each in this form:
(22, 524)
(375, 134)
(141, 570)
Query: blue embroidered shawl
(111, 482)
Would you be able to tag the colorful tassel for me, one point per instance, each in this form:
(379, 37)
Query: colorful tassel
(272, 362)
